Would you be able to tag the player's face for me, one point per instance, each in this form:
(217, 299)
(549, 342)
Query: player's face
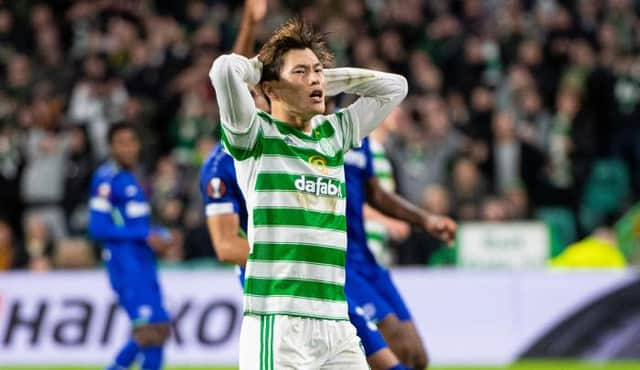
(301, 86)
(125, 148)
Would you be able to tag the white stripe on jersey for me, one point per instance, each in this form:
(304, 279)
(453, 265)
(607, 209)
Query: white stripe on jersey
(296, 270)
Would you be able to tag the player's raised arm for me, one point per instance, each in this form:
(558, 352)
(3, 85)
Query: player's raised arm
(254, 11)
(380, 92)
(230, 75)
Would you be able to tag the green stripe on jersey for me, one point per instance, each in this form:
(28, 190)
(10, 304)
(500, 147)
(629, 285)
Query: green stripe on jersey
(294, 288)
(277, 147)
(267, 181)
(322, 131)
(298, 217)
(239, 153)
(298, 252)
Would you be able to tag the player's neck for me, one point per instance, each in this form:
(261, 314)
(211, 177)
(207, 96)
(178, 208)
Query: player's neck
(293, 119)
(122, 165)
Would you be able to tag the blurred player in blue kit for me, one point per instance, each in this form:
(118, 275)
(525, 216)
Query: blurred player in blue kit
(120, 219)
(369, 288)
(375, 306)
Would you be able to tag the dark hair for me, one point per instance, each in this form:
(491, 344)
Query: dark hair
(119, 126)
(294, 34)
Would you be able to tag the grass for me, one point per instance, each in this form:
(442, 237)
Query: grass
(528, 365)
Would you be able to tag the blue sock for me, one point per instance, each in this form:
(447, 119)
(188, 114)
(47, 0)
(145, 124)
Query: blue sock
(152, 358)
(399, 367)
(126, 356)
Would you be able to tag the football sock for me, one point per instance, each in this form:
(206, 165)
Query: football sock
(126, 356)
(399, 367)
(152, 358)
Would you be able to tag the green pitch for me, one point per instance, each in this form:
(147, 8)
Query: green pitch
(529, 365)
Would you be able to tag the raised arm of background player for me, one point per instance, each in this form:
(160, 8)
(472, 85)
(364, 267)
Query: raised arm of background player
(224, 227)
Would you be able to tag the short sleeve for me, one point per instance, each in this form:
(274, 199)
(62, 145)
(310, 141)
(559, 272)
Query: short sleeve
(219, 192)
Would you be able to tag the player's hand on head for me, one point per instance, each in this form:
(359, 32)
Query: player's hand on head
(441, 227)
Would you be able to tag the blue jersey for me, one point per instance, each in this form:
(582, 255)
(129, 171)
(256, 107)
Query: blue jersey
(119, 218)
(219, 188)
(358, 168)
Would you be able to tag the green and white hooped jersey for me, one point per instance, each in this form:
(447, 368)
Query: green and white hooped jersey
(295, 192)
(294, 188)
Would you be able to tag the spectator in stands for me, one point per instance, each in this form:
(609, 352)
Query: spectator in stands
(467, 188)
(494, 209)
(38, 243)
(98, 99)
(511, 160)
(79, 166)
(18, 77)
(517, 203)
(74, 253)
(598, 250)
(425, 153)
(42, 185)
(11, 256)
(11, 166)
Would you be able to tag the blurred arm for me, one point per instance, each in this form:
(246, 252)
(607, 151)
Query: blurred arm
(102, 226)
(254, 11)
(392, 205)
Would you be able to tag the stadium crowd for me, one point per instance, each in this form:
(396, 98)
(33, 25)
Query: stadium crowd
(513, 105)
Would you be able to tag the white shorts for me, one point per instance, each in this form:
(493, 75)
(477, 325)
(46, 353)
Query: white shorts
(279, 342)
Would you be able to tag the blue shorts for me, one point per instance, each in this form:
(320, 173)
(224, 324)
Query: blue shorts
(372, 339)
(142, 300)
(375, 293)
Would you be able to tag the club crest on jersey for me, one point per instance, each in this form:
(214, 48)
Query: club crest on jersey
(131, 190)
(216, 188)
(318, 186)
(318, 163)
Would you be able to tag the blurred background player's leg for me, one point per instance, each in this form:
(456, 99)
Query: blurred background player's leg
(126, 356)
(379, 356)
